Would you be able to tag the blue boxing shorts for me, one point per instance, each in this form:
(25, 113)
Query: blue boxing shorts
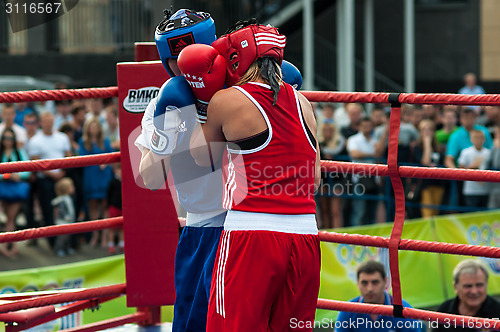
(194, 262)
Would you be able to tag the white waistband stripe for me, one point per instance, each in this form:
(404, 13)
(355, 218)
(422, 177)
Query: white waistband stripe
(286, 223)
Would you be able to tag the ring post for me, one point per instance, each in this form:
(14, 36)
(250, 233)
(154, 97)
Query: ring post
(151, 227)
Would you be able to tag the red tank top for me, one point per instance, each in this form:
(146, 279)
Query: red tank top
(278, 176)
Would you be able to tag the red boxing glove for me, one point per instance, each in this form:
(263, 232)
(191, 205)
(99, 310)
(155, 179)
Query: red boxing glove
(205, 71)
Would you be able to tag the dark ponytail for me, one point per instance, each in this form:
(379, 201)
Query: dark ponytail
(271, 72)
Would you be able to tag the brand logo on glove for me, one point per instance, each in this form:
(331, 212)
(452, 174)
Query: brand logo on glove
(158, 141)
(195, 81)
(182, 127)
(176, 44)
(244, 44)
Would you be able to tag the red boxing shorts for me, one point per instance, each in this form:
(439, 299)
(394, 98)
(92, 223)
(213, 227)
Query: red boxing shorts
(263, 281)
(113, 211)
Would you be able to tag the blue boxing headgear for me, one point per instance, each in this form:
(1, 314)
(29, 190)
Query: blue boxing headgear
(291, 74)
(181, 29)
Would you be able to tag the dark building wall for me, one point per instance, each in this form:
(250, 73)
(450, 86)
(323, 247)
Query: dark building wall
(446, 42)
(87, 70)
(447, 46)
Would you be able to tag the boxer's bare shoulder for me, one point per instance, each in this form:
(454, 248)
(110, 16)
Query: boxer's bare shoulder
(228, 101)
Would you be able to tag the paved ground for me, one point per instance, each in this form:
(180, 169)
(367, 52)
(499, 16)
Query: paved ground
(41, 255)
(167, 327)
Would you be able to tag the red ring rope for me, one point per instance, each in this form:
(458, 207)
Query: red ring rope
(67, 296)
(67, 162)
(414, 245)
(394, 243)
(44, 95)
(386, 310)
(404, 98)
(459, 174)
(317, 96)
(47, 231)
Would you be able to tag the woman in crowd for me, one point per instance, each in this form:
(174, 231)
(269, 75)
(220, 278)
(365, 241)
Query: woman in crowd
(427, 152)
(14, 188)
(95, 178)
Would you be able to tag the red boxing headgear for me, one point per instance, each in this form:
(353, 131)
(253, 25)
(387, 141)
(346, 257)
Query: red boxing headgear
(246, 45)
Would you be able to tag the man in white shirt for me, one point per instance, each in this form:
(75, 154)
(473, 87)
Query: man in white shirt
(363, 147)
(48, 144)
(475, 157)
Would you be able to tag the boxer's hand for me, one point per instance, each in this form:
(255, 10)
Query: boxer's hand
(173, 96)
(205, 71)
(291, 74)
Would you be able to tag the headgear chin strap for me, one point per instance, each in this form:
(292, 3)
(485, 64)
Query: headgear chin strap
(181, 29)
(242, 47)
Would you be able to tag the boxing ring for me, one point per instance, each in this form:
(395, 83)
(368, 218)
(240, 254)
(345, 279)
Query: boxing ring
(24, 310)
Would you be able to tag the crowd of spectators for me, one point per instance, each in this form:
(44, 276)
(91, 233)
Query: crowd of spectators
(31, 131)
(430, 135)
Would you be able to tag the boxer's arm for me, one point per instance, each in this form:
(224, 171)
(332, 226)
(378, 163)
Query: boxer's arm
(208, 141)
(153, 169)
(159, 131)
(310, 121)
(147, 127)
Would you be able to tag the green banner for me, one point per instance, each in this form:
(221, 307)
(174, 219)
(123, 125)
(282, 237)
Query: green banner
(419, 271)
(472, 228)
(426, 278)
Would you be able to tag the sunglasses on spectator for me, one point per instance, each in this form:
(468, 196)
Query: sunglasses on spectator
(29, 122)
(9, 138)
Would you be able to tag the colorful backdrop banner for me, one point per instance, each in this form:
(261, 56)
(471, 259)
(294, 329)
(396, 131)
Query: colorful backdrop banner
(426, 278)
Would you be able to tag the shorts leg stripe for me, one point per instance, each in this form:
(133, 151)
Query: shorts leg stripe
(224, 272)
(217, 275)
(220, 274)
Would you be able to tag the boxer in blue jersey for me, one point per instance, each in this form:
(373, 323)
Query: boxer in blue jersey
(170, 118)
(167, 125)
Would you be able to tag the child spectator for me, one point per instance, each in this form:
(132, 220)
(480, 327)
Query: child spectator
(475, 157)
(115, 208)
(64, 213)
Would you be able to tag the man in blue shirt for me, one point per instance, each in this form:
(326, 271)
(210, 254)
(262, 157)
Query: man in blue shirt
(460, 139)
(371, 284)
(471, 88)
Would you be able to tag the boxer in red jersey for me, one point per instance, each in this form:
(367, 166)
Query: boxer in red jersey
(266, 274)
